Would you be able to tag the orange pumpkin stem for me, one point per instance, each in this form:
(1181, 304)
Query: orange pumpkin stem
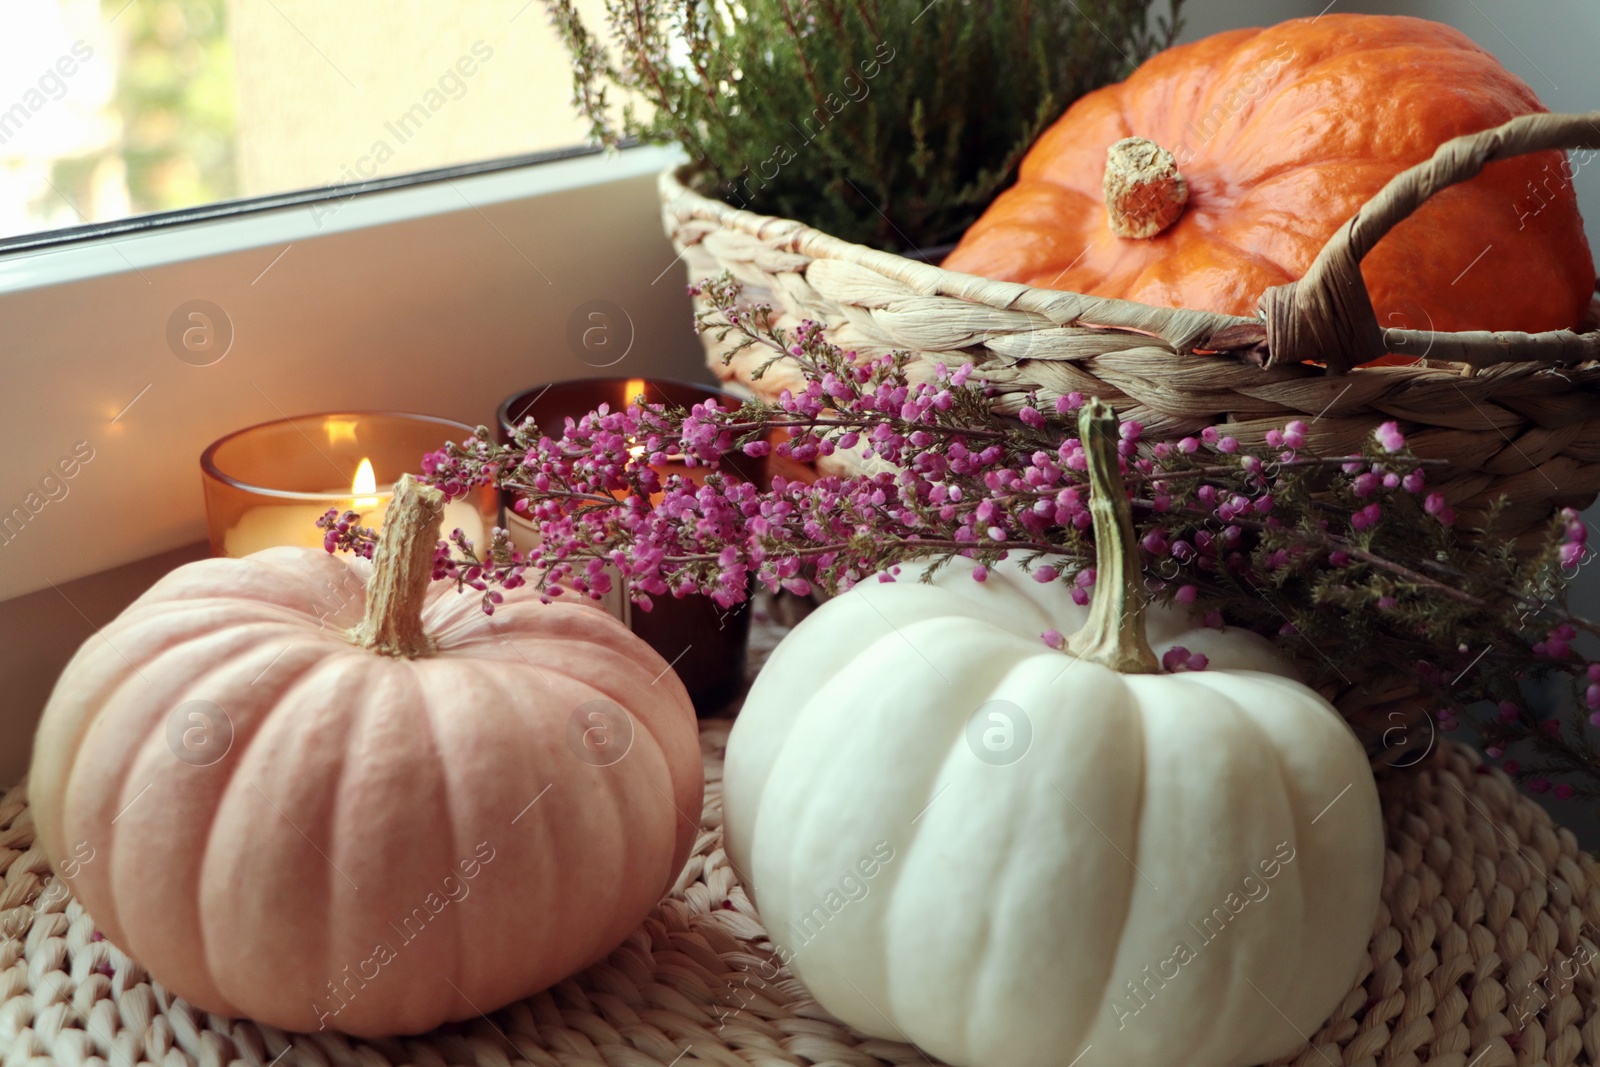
(1114, 635)
(402, 570)
(1145, 193)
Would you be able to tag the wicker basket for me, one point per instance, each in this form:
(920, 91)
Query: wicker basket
(1517, 415)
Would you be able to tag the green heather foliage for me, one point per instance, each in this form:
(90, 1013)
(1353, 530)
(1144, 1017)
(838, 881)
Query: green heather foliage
(888, 122)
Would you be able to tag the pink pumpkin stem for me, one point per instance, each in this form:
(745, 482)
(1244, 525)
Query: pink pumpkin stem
(402, 569)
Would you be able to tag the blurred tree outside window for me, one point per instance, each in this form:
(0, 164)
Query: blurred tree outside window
(113, 108)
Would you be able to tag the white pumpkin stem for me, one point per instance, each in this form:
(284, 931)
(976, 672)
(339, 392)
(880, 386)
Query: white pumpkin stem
(1145, 193)
(402, 570)
(1114, 635)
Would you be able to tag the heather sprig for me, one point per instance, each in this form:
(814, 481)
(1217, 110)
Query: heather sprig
(1354, 565)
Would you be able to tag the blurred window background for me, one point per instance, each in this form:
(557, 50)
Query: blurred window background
(112, 108)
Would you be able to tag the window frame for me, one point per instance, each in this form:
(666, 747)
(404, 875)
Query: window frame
(44, 240)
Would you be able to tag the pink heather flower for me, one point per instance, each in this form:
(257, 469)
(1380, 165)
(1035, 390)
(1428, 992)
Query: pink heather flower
(1508, 711)
(1385, 603)
(1178, 658)
(1494, 752)
(1572, 554)
(1338, 558)
(1594, 672)
(1228, 444)
(1294, 434)
(1390, 437)
(1213, 620)
(1209, 435)
(1563, 791)
(1511, 766)
(1046, 573)
(1188, 446)
(1366, 484)
(1538, 785)
(1275, 438)
(1413, 482)
(1080, 598)
(980, 573)
(1130, 431)
(1391, 480)
(1054, 639)
(1031, 417)
(1367, 517)
(1186, 594)
(1433, 503)
(1594, 718)
(757, 449)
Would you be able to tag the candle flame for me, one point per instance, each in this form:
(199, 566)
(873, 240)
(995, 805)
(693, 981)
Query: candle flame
(364, 484)
(634, 390)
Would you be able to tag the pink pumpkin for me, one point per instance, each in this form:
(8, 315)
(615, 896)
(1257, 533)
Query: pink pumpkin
(323, 795)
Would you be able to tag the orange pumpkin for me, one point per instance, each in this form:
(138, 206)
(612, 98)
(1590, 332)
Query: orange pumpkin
(1277, 137)
(324, 794)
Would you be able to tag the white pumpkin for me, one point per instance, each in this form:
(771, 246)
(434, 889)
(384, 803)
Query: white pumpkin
(1015, 856)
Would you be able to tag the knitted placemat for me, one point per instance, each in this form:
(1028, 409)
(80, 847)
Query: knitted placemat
(1486, 953)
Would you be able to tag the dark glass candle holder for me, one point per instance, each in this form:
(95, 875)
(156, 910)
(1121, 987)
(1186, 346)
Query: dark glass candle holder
(704, 644)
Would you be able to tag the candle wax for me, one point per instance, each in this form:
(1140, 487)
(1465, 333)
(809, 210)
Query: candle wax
(296, 524)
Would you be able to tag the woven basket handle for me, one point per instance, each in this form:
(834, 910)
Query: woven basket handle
(1327, 316)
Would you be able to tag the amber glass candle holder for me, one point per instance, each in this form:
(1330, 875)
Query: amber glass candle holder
(267, 485)
(704, 644)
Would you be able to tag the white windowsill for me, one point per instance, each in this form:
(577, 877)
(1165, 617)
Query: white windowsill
(142, 251)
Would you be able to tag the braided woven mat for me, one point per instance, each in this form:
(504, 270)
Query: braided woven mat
(1486, 953)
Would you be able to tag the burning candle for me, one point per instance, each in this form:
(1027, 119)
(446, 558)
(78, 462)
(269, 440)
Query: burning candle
(703, 643)
(267, 485)
(637, 389)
